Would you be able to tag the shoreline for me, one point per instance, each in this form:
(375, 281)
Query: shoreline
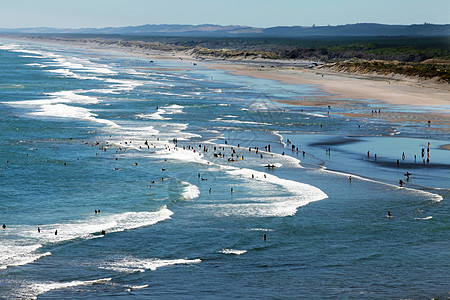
(397, 90)
(421, 101)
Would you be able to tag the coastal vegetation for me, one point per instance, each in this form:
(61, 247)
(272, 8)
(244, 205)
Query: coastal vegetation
(422, 57)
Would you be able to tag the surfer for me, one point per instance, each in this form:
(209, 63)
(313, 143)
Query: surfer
(56, 232)
(4, 226)
(389, 215)
(39, 230)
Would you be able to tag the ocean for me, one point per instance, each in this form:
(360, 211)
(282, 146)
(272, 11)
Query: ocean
(128, 177)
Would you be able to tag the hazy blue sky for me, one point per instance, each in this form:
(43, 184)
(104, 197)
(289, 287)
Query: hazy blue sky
(258, 13)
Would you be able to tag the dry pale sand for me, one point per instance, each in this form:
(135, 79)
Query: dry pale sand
(342, 90)
(399, 91)
(351, 92)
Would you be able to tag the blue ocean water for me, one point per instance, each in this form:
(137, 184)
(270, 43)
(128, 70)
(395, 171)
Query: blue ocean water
(170, 160)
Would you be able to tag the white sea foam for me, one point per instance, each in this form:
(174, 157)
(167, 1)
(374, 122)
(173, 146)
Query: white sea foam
(136, 287)
(190, 191)
(57, 97)
(36, 65)
(171, 94)
(138, 133)
(426, 218)
(175, 108)
(184, 155)
(273, 206)
(123, 85)
(72, 97)
(261, 229)
(132, 264)
(63, 72)
(82, 65)
(154, 116)
(167, 110)
(314, 115)
(25, 248)
(33, 290)
(13, 255)
(35, 53)
(31, 56)
(239, 121)
(73, 112)
(233, 251)
(63, 62)
(433, 197)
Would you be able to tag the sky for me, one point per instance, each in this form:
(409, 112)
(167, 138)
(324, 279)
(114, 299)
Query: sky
(255, 13)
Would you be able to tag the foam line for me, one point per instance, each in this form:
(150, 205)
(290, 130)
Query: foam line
(35, 289)
(433, 197)
(233, 251)
(132, 264)
(190, 191)
(24, 250)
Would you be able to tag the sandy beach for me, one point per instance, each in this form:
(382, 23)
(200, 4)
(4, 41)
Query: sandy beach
(395, 90)
(421, 100)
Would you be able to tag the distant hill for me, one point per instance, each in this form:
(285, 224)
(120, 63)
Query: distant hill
(209, 30)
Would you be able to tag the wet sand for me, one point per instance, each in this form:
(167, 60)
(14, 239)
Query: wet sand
(421, 101)
(391, 90)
